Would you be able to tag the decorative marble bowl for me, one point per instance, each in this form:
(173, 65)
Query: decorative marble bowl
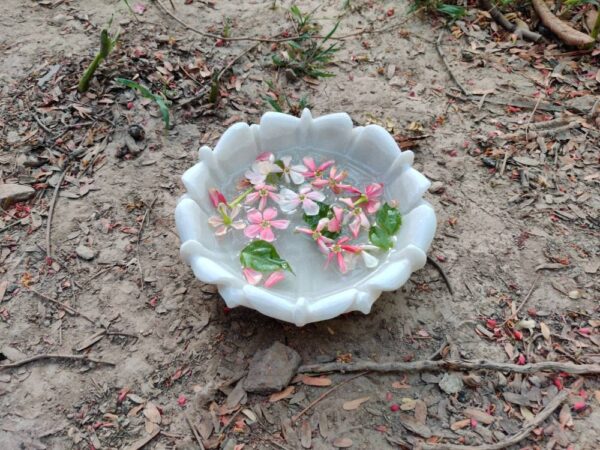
(313, 294)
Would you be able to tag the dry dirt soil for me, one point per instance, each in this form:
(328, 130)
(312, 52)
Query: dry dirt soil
(517, 205)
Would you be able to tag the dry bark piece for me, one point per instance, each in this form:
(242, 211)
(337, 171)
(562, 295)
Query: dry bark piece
(501, 20)
(566, 34)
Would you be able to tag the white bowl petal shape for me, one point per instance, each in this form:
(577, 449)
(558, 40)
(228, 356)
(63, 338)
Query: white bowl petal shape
(312, 294)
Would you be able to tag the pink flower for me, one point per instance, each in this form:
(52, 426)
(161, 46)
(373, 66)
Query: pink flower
(293, 173)
(261, 224)
(369, 200)
(290, 200)
(322, 241)
(262, 168)
(357, 218)
(335, 223)
(338, 249)
(262, 192)
(224, 222)
(314, 171)
(252, 276)
(334, 181)
(274, 278)
(216, 198)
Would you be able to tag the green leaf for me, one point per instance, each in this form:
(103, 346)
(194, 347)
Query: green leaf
(455, 12)
(380, 238)
(159, 100)
(325, 211)
(164, 109)
(389, 219)
(262, 256)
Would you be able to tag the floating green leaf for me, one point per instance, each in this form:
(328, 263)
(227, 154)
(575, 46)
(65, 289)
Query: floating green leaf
(380, 238)
(262, 256)
(389, 219)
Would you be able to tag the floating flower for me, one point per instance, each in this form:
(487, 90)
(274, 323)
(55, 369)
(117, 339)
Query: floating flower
(262, 192)
(322, 241)
(262, 168)
(334, 181)
(216, 197)
(335, 223)
(293, 173)
(315, 171)
(274, 278)
(252, 276)
(224, 221)
(290, 200)
(356, 218)
(369, 200)
(369, 260)
(338, 250)
(262, 224)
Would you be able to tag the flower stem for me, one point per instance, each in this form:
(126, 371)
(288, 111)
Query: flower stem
(363, 199)
(241, 197)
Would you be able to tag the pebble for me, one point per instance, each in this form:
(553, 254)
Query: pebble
(451, 383)
(271, 370)
(14, 193)
(437, 187)
(85, 252)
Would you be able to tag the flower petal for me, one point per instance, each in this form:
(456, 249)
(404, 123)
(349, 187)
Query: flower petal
(310, 207)
(266, 234)
(286, 160)
(255, 216)
(252, 231)
(316, 196)
(297, 176)
(252, 276)
(280, 224)
(215, 221)
(341, 262)
(369, 260)
(269, 214)
(274, 278)
(310, 163)
(238, 225)
(221, 231)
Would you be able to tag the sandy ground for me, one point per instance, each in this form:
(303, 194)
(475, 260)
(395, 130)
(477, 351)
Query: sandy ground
(506, 225)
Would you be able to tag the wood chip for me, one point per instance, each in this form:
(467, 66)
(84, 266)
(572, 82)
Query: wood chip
(421, 412)
(460, 424)
(354, 404)
(287, 392)
(315, 381)
(412, 425)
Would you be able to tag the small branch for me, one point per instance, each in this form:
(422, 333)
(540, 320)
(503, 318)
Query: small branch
(438, 47)
(463, 366)
(139, 239)
(51, 212)
(41, 124)
(568, 35)
(515, 439)
(531, 289)
(439, 268)
(325, 394)
(194, 430)
(50, 357)
(500, 19)
(67, 308)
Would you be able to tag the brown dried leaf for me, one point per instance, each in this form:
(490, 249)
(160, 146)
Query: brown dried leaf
(400, 385)
(421, 412)
(479, 415)
(526, 413)
(565, 418)
(545, 331)
(135, 410)
(305, 435)
(459, 425)
(315, 381)
(354, 404)
(287, 392)
(407, 404)
(342, 442)
(152, 413)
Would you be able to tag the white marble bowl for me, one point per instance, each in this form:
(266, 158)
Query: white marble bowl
(314, 294)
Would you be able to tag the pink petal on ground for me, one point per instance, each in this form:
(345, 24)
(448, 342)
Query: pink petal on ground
(274, 197)
(280, 224)
(252, 231)
(274, 278)
(255, 216)
(238, 225)
(252, 276)
(139, 8)
(320, 183)
(266, 234)
(330, 256)
(304, 230)
(347, 201)
(269, 214)
(372, 207)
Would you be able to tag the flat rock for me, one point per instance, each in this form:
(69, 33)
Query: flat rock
(85, 252)
(271, 370)
(451, 383)
(14, 193)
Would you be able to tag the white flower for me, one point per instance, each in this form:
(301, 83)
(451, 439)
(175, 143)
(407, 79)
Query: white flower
(261, 168)
(295, 173)
(290, 200)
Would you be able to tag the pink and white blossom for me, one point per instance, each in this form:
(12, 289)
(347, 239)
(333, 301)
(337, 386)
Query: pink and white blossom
(368, 200)
(262, 192)
(315, 171)
(322, 241)
(262, 168)
(292, 173)
(290, 200)
(356, 219)
(336, 222)
(262, 224)
(338, 250)
(225, 220)
(334, 181)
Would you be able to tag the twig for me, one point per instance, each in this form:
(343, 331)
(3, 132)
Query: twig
(531, 116)
(527, 429)
(531, 289)
(457, 365)
(51, 212)
(325, 394)
(67, 308)
(103, 271)
(41, 124)
(438, 47)
(194, 431)
(435, 264)
(228, 424)
(500, 19)
(139, 239)
(236, 59)
(50, 356)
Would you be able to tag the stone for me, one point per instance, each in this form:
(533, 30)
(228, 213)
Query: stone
(451, 383)
(14, 193)
(437, 187)
(85, 252)
(271, 370)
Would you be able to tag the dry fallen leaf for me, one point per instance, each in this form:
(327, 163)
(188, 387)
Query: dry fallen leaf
(354, 404)
(526, 413)
(407, 404)
(152, 413)
(287, 392)
(315, 381)
(342, 442)
(597, 395)
(460, 424)
(421, 412)
(565, 418)
(545, 331)
(400, 385)
(479, 415)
